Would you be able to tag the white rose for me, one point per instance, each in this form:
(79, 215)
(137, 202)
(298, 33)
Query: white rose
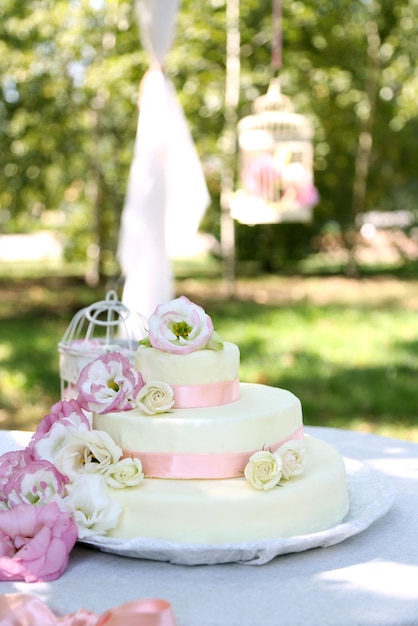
(87, 452)
(89, 503)
(125, 473)
(155, 397)
(293, 456)
(263, 470)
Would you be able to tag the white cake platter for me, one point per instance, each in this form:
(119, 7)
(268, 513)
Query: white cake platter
(370, 496)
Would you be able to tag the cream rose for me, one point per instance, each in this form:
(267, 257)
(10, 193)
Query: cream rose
(125, 473)
(293, 456)
(263, 470)
(155, 397)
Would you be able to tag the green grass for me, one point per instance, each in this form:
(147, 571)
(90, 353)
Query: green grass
(351, 368)
(33, 317)
(348, 349)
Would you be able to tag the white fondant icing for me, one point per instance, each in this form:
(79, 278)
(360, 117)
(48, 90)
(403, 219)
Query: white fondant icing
(227, 510)
(198, 368)
(224, 511)
(261, 417)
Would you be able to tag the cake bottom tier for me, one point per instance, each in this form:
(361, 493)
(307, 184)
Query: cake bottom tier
(231, 511)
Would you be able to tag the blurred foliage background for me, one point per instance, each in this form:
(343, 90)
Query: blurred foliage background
(69, 79)
(70, 73)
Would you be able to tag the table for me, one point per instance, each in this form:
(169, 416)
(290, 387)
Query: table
(369, 579)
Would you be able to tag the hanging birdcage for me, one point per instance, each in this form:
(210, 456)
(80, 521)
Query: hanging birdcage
(95, 330)
(275, 180)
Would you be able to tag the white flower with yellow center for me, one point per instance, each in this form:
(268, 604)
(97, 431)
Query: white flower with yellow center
(90, 506)
(90, 452)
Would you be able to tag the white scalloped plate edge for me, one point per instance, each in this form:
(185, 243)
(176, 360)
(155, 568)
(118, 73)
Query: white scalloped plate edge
(370, 494)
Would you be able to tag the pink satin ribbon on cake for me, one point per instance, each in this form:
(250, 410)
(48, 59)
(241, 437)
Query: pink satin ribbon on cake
(228, 465)
(20, 608)
(212, 394)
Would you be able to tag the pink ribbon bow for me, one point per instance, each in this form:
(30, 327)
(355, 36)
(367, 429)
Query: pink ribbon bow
(20, 608)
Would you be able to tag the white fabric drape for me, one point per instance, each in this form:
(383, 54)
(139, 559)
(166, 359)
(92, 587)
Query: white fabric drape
(167, 194)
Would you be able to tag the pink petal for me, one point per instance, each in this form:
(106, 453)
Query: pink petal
(10, 569)
(36, 546)
(7, 547)
(55, 560)
(49, 565)
(20, 520)
(46, 541)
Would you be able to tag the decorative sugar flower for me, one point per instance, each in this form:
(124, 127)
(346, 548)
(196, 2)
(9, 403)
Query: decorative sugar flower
(109, 383)
(155, 397)
(125, 473)
(91, 507)
(91, 452)
(181, 327)
(38, 483)
(35, 542)
(293, 456)
(263, 470)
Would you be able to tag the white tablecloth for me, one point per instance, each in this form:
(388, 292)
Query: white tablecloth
(369, 579)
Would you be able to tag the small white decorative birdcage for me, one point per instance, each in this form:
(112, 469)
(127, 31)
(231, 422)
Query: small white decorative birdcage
(275, 163)
(95, 330)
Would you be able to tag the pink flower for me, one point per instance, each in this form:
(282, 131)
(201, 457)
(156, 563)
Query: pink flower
(262, 175)
(35, 542)
(65, 411)
(298, 184)
(109, 383)
(38, 482)
(52, 432)
(180, 327)
(10, 462)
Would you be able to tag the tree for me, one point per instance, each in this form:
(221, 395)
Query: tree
(70, 74)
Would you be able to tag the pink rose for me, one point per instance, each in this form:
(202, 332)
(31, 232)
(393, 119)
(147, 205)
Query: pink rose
(180, 327)
(109, 383)
(35, 542)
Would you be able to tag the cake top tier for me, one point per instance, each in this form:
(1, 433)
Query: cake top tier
(183, 350)
(181, 327)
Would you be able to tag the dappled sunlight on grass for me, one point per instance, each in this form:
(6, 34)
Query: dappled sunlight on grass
(352, 367)
(33, 318)
(353, 360)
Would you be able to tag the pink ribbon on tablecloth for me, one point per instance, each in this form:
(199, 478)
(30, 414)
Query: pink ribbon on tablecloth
(228, 465)
(211, 394)
(20, 608)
